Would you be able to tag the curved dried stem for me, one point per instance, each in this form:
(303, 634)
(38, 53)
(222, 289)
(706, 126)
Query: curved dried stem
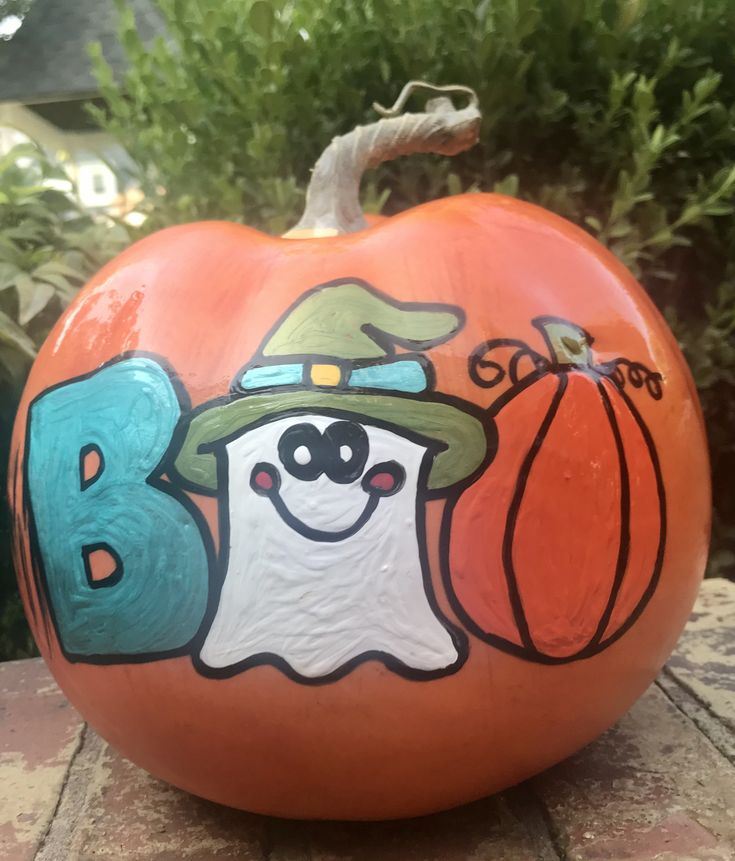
(332, 198)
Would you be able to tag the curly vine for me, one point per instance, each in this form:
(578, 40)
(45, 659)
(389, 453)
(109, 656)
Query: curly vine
(487, 373)
(637, 374)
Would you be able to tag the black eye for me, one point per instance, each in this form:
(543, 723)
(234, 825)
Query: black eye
(302, 452)
(349, 449)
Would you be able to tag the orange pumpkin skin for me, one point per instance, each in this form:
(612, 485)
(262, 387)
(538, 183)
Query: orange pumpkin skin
(374, 744)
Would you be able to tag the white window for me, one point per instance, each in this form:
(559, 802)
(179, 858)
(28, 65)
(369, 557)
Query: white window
(98, 183)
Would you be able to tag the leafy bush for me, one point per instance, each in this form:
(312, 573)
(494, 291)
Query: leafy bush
(48, 248)
(618, 114)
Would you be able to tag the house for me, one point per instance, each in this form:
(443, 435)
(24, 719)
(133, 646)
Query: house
(46, 78)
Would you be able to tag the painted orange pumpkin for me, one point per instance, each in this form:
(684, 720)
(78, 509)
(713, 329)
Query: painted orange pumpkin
(282, 545)
(584, 493)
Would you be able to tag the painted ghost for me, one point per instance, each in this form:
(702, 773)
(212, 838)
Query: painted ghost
(322, 457)
(324, 554)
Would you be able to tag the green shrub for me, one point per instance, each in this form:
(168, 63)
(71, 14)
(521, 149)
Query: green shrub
(48, 248)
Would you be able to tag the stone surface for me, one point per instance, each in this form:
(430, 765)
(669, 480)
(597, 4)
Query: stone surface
(110, 808)
(661, 783)
(39, 734)
(659, 786)
(704, 661)
(653, 787)
(501, 828)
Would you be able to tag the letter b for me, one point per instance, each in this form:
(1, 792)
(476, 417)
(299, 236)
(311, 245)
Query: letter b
(93, 448)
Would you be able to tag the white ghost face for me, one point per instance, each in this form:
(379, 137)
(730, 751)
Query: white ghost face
(325, 478)
(324, 563)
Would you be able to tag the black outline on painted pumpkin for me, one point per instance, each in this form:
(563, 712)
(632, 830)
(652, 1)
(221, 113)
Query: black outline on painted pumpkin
(111, 579)
(85, 450)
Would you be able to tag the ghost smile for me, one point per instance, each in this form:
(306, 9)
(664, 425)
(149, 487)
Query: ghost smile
(383, 479)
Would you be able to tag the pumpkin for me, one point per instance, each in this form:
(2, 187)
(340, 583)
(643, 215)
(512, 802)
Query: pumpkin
(262, 492)
(575, 540)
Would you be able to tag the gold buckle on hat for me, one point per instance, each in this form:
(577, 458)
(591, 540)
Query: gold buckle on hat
(325, 375)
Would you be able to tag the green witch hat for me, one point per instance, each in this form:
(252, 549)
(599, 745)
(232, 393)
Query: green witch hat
(335, 349)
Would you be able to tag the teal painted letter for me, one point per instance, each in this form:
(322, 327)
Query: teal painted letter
(124, 414)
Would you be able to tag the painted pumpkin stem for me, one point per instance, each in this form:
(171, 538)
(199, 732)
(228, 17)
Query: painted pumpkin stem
(332, 198)
(568, 343)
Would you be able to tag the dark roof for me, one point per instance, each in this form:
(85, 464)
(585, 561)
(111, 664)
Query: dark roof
(46, 59)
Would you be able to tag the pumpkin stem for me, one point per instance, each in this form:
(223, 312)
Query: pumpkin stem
(332, 198)
(568, 343)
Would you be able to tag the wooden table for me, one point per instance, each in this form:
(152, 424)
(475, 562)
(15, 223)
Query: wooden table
(659, 785)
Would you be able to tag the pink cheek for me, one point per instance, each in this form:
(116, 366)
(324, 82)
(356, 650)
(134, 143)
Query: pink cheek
(383, 481)
(263, 480)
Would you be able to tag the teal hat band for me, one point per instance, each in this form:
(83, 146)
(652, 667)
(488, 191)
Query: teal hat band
(401, 375)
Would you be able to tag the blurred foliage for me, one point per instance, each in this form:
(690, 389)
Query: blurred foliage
(617, 114)
(14, 7)
(49, 247)
(12, 13)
